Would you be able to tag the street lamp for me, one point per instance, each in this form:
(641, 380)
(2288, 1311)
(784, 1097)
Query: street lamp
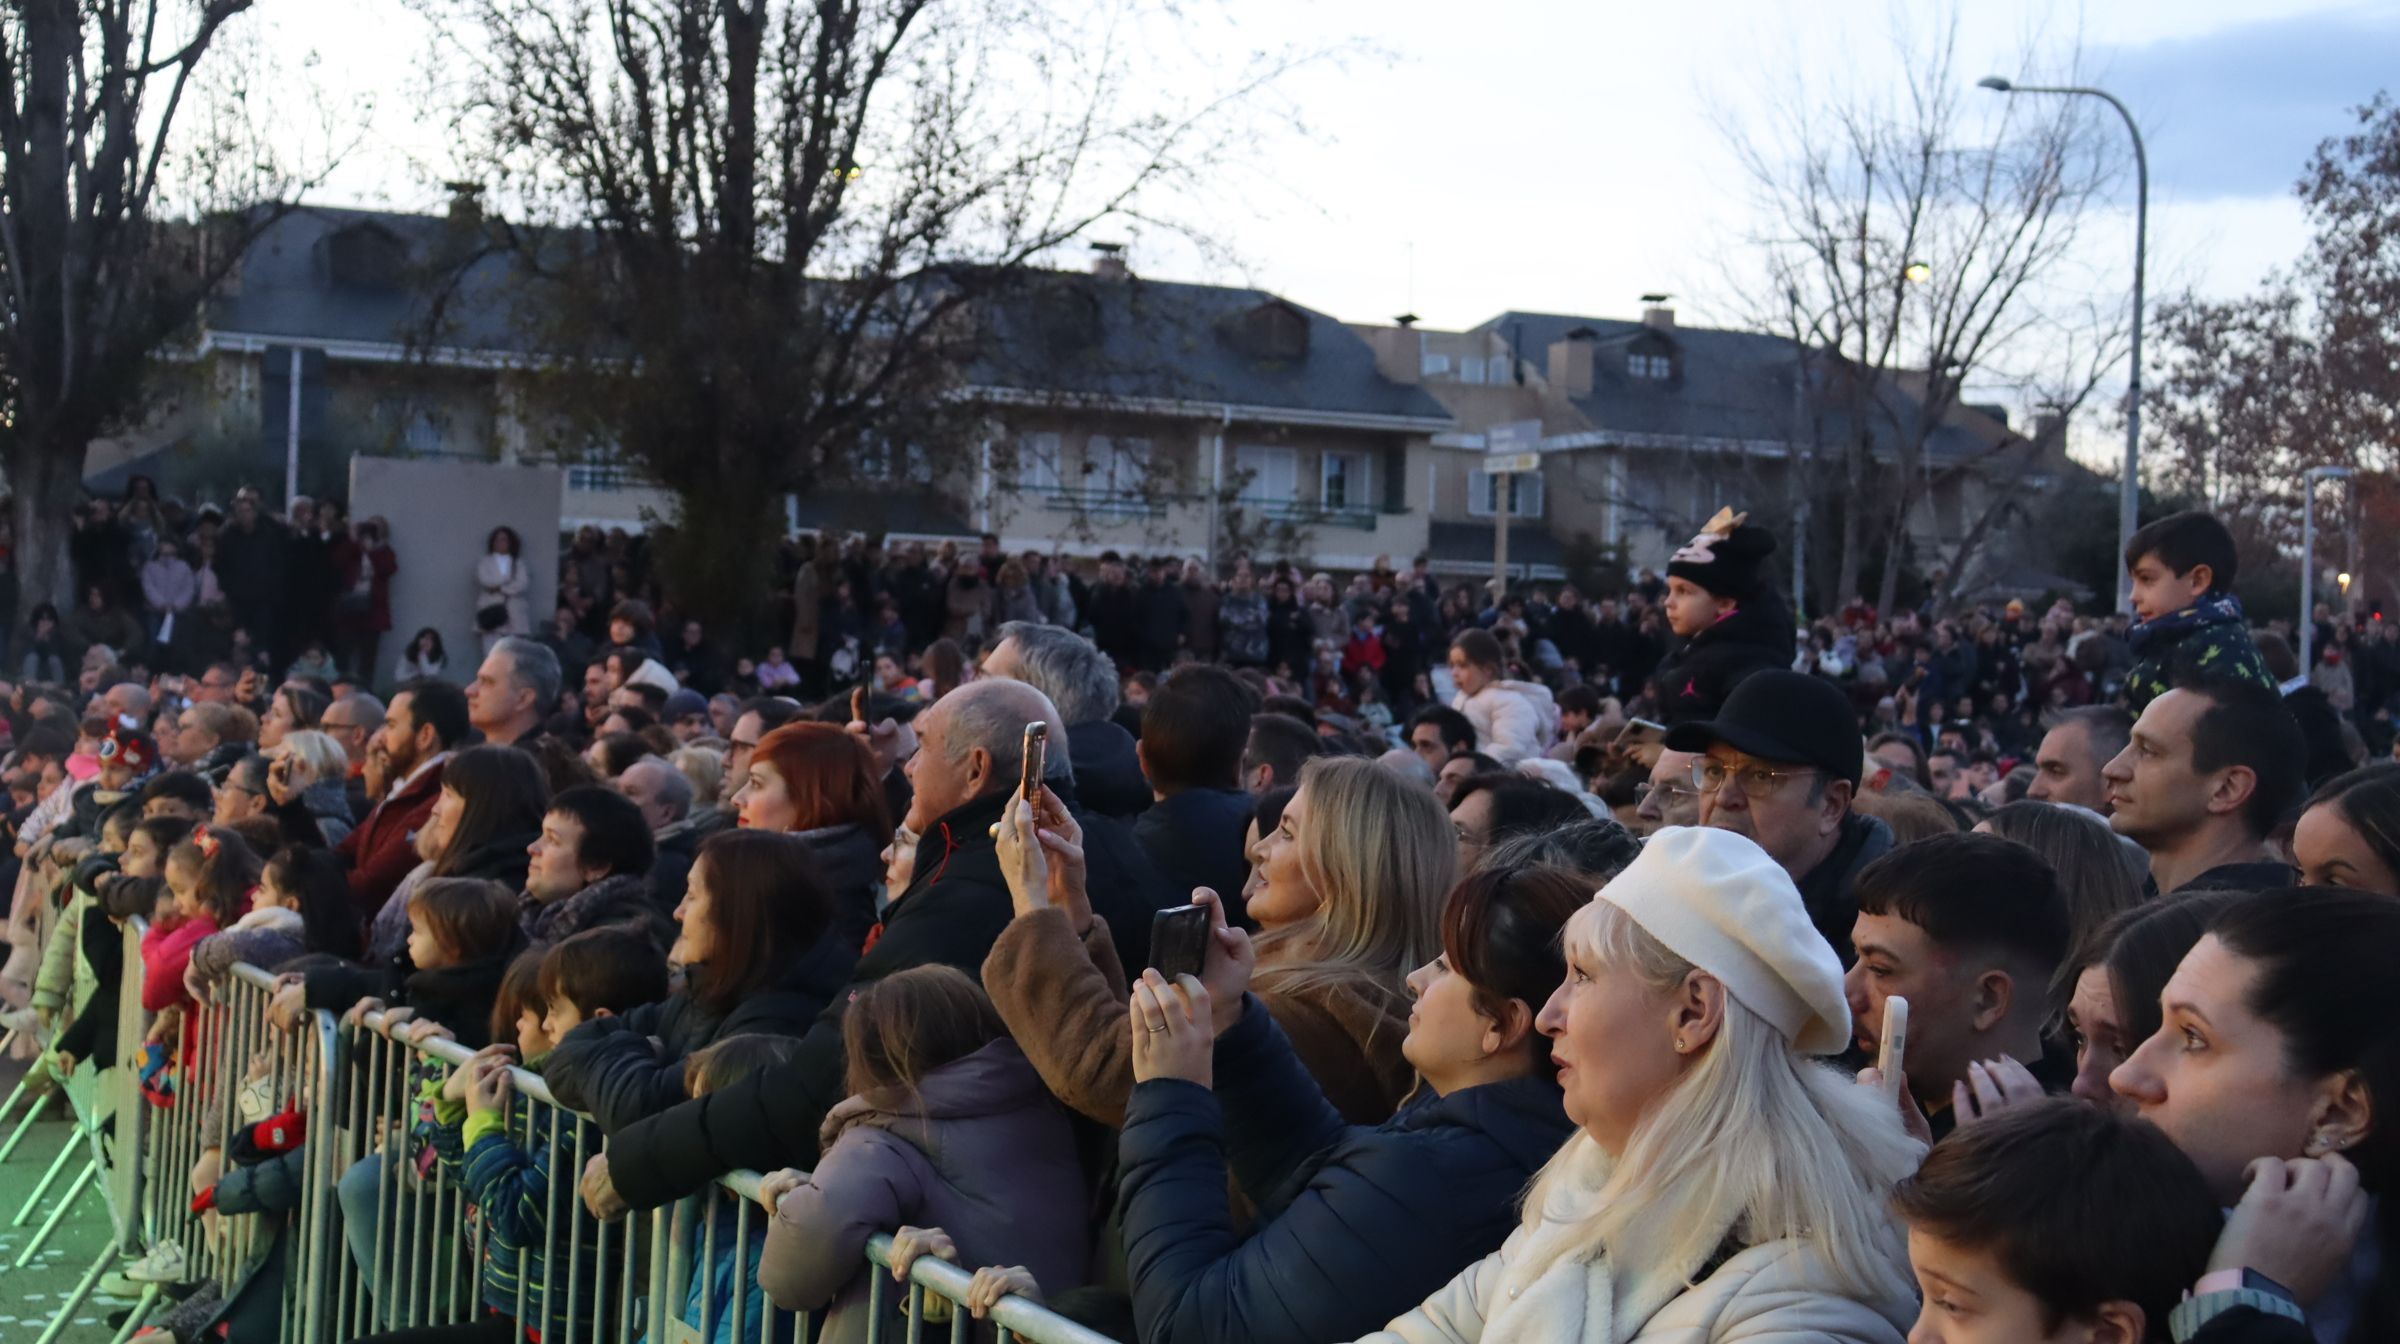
(2129, 492)
(2308, 554)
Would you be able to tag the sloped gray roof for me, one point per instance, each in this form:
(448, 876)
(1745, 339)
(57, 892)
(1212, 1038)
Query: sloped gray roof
(289, 289)
(1041, 332)
(1133, 338)
(1728, 385)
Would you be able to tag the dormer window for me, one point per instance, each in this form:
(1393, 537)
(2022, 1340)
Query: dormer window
(1657, 368)
(366, 256)
(1274, 331)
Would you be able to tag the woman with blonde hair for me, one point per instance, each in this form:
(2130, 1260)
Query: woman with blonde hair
(1354, 877)
(1721, 1184)
(307, 777)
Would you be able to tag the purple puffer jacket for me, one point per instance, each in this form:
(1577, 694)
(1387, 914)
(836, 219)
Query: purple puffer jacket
(981, 1151)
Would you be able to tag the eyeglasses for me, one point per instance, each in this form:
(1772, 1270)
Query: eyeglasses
(1668, 791)
(1757, 781)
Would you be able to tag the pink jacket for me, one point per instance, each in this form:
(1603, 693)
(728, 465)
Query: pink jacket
(982, 1151)
(166, 950)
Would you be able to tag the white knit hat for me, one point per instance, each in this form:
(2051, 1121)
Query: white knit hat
(1716, 900)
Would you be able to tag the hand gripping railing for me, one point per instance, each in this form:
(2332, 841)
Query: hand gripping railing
(400, 1224)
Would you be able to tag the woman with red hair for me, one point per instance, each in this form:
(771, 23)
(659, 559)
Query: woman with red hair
(818, 782)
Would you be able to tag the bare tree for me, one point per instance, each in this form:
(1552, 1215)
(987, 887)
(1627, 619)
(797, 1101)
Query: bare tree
(765, 234)
(2252, 391)
(104, 251)
(1905, 262)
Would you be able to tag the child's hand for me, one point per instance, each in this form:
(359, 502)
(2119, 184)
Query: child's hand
(488, 1088)
(773, 1186)
(357, 1015)
(288, 1005)
(262, 1065)
(991, 1283)
(910, 1242)
(194, 984)
(423, 1029)
(454, 1087)
(1174, 1033)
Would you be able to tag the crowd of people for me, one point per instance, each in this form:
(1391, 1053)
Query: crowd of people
(1549, 947)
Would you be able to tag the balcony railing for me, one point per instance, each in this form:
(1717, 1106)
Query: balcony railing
(1102, 503)
(1357, 516)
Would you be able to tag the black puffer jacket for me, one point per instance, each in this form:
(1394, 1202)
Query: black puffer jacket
(950, 916)
(1108, 776)
(1694, 680)
(1357, 1224)
(622, 1069)
(849, 861)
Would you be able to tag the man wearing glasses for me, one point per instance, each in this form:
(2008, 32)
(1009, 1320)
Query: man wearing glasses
(1780, 764)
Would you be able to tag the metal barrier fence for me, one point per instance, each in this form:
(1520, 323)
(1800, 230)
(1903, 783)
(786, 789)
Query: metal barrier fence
(397, 1227)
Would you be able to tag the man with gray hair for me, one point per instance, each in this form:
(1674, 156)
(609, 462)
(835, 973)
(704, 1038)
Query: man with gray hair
(513, 692)
(665, 796)
(965, 773)
(354, 720)
(1081, 681)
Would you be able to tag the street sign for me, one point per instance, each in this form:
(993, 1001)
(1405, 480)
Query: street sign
(1516, 436)
(1515, 464)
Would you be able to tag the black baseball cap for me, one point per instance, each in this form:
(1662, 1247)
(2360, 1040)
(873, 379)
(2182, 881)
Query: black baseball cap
(1790, 718)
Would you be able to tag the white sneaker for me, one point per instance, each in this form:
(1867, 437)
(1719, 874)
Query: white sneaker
(164, 1264)
(18, 1019)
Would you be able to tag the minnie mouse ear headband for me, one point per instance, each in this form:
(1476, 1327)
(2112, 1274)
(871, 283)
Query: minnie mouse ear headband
(1725, 557)
(129, 746)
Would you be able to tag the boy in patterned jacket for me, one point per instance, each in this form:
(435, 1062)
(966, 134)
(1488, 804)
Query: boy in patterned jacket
(2187, 621)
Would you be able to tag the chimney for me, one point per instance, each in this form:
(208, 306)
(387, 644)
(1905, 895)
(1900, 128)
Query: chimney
(1571, 360)
(466, 204)
(1399, 349)
(1108, 261)
(1656, 313)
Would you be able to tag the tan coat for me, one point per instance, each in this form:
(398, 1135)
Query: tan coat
(1063, 998)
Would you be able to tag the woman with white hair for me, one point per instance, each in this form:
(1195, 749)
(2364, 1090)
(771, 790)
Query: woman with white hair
(307, 777)
(1721, 1184)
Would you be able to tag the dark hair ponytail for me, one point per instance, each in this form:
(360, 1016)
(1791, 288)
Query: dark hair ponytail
(2324, 958)
(313, 877)
(1500, 930)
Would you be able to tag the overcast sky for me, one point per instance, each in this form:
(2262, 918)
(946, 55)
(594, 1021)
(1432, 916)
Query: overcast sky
(1565, 155)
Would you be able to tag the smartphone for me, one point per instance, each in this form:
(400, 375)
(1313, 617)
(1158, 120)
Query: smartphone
(1639, 731)
(1892, 1052)
(1179, 940)
(1037, 750)
(858, 704)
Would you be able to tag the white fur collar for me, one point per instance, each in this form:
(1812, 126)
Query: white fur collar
(273, 919)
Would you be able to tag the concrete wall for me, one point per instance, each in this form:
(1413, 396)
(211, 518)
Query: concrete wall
(442, 513)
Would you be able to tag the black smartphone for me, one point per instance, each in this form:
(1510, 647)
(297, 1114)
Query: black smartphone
(1037, 750)
(1179, 940)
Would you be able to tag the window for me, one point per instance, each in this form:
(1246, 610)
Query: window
(1470, 370)
(1504, 368)
(1524, 494)
(1119, 467)
(1037, 463)
(1650, 366)
(604, 470)
(1433, 365)
(1345, 483)
(877, 460)
(1272, 475)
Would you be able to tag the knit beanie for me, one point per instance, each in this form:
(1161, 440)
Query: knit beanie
(1718, 901)
(1725, 558)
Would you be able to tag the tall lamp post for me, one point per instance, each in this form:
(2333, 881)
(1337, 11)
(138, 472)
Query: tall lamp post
(2307, 623)
(2129, 492)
